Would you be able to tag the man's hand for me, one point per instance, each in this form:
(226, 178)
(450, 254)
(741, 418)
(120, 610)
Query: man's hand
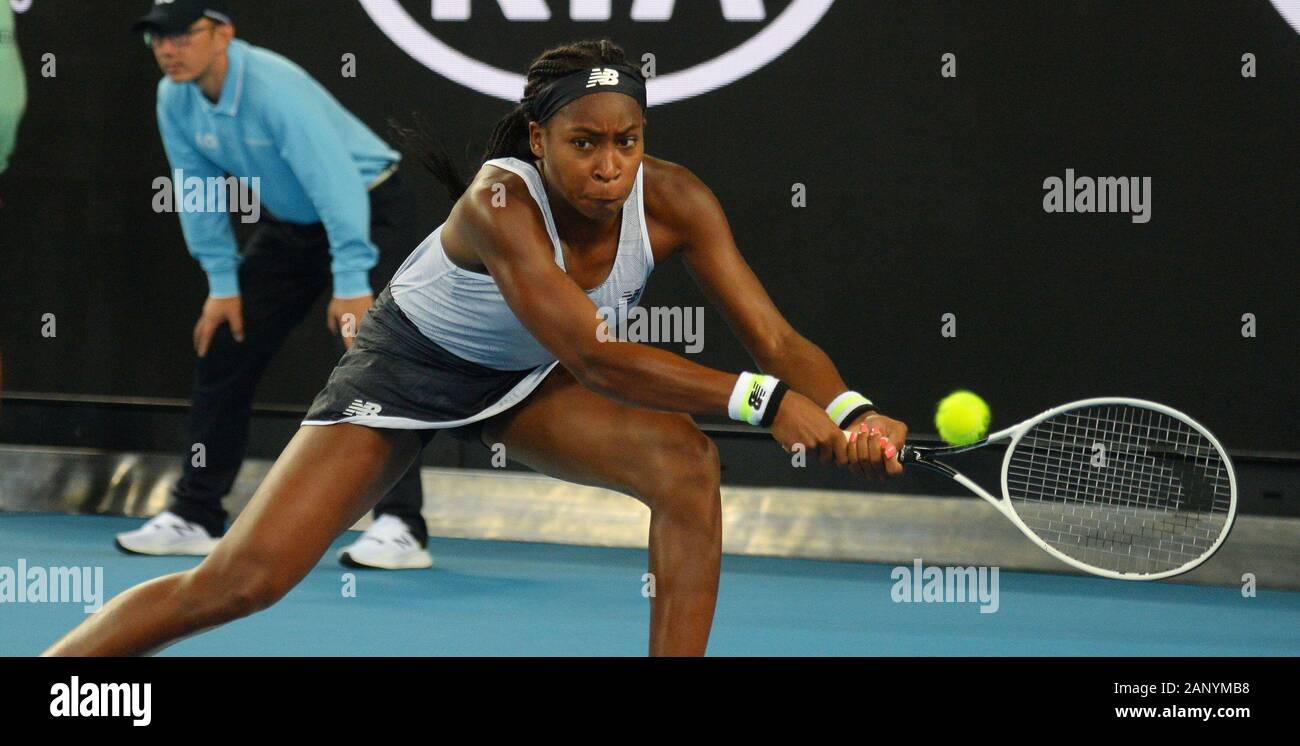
(218, 311)
(344, 316)
(875, 441)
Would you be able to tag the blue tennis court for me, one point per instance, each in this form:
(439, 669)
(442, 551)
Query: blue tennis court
(509, 598)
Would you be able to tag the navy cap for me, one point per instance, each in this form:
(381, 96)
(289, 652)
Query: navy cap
(172, 16)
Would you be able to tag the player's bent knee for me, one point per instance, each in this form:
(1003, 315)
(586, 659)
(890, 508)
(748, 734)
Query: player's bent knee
(256, 592)
(234, 592)
(682, 472)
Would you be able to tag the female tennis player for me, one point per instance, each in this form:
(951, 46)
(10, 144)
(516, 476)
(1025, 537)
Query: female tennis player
(491, 330)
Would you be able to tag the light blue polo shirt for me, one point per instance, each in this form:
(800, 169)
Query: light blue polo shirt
(312, 156)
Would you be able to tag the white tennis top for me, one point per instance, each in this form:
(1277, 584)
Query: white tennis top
(465, 313)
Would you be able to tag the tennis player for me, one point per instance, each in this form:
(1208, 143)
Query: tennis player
(490, 331)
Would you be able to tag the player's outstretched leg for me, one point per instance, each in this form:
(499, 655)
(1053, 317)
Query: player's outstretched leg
(326, 479)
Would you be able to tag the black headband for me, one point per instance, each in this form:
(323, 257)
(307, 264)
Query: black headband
(603, 79)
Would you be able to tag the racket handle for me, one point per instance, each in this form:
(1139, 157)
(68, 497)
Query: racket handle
(902, 456)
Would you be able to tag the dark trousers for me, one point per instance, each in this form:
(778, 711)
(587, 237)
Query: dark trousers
(284, 270)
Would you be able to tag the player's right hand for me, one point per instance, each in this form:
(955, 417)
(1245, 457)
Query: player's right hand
(874, 440)
(218, 311)
(799, 421)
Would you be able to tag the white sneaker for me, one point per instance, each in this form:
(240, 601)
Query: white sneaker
(167, 533)
(388, 545)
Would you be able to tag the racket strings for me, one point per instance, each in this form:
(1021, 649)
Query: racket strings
(1121, 487)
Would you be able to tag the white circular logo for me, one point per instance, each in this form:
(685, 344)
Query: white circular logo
(1290, 10)
(778, 36)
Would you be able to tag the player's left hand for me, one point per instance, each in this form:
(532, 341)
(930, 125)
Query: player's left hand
(874, 444)
(344, 316)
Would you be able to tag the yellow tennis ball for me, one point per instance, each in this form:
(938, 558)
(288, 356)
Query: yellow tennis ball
(962, 418)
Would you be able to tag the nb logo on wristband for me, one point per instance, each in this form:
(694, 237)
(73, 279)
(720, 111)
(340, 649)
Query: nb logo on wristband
(756, 397)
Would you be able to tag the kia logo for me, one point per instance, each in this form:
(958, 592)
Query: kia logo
(1290, 10)
(771, 42)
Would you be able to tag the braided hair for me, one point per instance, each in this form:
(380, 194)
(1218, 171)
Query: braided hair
(509, 137)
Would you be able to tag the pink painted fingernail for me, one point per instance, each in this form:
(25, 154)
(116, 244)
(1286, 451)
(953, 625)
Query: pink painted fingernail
(890, 451)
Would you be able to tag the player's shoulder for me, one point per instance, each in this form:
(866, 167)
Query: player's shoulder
(490, 175)
(495, 189)
(497, 203)
(666, 178)
(673, 194)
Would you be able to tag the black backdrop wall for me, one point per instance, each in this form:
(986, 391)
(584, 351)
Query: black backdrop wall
(924, 194)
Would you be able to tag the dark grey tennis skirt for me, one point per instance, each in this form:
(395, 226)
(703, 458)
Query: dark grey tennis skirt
(395, 377)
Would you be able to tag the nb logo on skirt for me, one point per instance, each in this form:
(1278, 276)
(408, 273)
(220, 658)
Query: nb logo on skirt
(360, 408)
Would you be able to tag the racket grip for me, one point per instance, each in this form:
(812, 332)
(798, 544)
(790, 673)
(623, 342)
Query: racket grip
(901, 456)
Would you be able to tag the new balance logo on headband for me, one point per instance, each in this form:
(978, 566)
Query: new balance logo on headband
(362, 409)
(602, 76)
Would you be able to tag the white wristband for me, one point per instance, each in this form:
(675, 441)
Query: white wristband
(845, 405)
(750, 397)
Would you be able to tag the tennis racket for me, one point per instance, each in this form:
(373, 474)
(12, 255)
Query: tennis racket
(1122, 488)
